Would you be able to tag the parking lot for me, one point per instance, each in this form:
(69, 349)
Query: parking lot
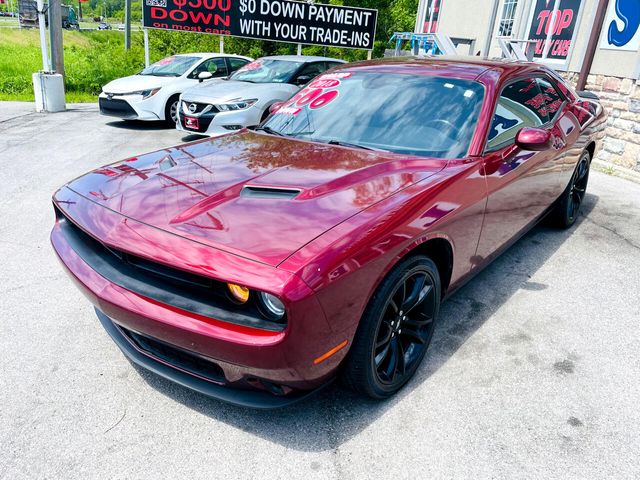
(534, 371)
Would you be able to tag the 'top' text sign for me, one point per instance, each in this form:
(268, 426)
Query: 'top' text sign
(278, 20)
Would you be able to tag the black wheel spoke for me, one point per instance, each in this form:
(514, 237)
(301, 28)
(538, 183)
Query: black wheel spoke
(419, 290)
(392, 364)
(394, 307)
(382, 355)
(382, 342)
(420, 320)
(412, 335)
(401, 364)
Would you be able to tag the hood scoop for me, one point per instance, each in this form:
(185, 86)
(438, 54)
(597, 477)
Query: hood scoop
(249, 191)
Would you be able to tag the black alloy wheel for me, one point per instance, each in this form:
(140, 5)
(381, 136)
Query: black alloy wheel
(405, 329)
(578, 188)
(567, 208)
(395, 330)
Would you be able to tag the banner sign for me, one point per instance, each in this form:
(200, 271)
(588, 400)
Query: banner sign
(562, 26)
(621, 28)
(278, 20)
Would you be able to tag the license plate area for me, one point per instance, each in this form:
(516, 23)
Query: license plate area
(192, 123)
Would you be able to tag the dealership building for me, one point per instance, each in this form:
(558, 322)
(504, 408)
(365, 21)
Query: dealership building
(559, 32)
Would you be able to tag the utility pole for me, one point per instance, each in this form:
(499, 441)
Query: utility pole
(55, 35)
(492, 25)
(593, 44)
(127, 24)
(43, 36)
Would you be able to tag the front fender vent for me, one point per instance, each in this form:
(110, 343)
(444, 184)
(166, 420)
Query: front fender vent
(269, 192)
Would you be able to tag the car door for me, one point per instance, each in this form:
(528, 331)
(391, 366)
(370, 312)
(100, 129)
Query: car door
(521, 184)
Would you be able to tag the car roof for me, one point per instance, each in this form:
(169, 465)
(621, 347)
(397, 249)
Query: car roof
(208, 54)
(304, 58)
(453, 66)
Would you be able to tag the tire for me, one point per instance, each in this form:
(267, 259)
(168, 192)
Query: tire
(169, 119)
(370, 368)
(567, 208)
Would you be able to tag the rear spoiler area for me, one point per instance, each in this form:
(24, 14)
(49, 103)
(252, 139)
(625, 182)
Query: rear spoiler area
(588, 95)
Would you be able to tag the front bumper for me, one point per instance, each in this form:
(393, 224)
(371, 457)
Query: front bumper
(249, 359)
(245, 398)
(130, 107)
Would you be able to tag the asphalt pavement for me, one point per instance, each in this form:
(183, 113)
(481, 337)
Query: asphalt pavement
(534, 371)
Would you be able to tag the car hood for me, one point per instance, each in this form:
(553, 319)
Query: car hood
(251, 194)
(136, 83)
(226, 90)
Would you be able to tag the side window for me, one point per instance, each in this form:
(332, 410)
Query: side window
(333, 64)
(308, 73)
(215, 66)
(237, 63)
(521, 104)
(553, 98)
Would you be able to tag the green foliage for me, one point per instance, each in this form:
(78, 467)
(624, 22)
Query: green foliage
(92, 59)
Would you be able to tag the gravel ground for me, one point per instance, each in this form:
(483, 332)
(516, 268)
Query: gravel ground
(534, 371)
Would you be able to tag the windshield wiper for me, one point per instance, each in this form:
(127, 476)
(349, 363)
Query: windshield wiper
(353, 145)
(271, 131)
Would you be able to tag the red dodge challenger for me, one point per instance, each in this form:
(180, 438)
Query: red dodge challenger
(258, 266)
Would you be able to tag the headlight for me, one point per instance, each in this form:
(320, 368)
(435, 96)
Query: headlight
(241, 105)
(271, 306)
(145, 93)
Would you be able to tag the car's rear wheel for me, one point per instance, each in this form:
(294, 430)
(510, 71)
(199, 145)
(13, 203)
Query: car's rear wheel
(171, 111)
(395, 330)
(567, 208)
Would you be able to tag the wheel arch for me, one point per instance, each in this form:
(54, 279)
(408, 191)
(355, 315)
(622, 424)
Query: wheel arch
(438, 248)
(168, 101)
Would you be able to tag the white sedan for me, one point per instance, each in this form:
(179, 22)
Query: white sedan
(243, 100)
(153, 93)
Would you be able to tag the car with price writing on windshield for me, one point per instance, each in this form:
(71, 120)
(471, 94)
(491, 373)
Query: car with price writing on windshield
(153, 93)
(260, 265)
(243, 100)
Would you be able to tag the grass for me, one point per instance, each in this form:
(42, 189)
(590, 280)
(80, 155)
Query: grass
(92, 59)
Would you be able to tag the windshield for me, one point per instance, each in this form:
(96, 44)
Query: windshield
(409, 114)
(267, 70)
(170, 66)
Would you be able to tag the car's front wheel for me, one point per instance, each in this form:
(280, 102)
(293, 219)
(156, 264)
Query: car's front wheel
(395, 330)
(171, 111)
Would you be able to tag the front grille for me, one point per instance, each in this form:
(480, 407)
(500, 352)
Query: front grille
(171, 286)
(116, 107)
(185, 360)
(198, 108)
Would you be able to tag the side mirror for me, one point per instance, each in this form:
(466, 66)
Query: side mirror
(534, 139)
(275, 107)
(303, 79)
(202, 76)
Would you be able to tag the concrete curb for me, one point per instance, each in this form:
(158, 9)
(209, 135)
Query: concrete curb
(616, 170)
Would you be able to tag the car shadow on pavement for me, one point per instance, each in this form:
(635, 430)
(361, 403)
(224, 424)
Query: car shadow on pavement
(140, 125)
(326, 420)
(193, 137)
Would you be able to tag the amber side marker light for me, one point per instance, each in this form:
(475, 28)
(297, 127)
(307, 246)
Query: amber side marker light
(335, 349)
(240, 293)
